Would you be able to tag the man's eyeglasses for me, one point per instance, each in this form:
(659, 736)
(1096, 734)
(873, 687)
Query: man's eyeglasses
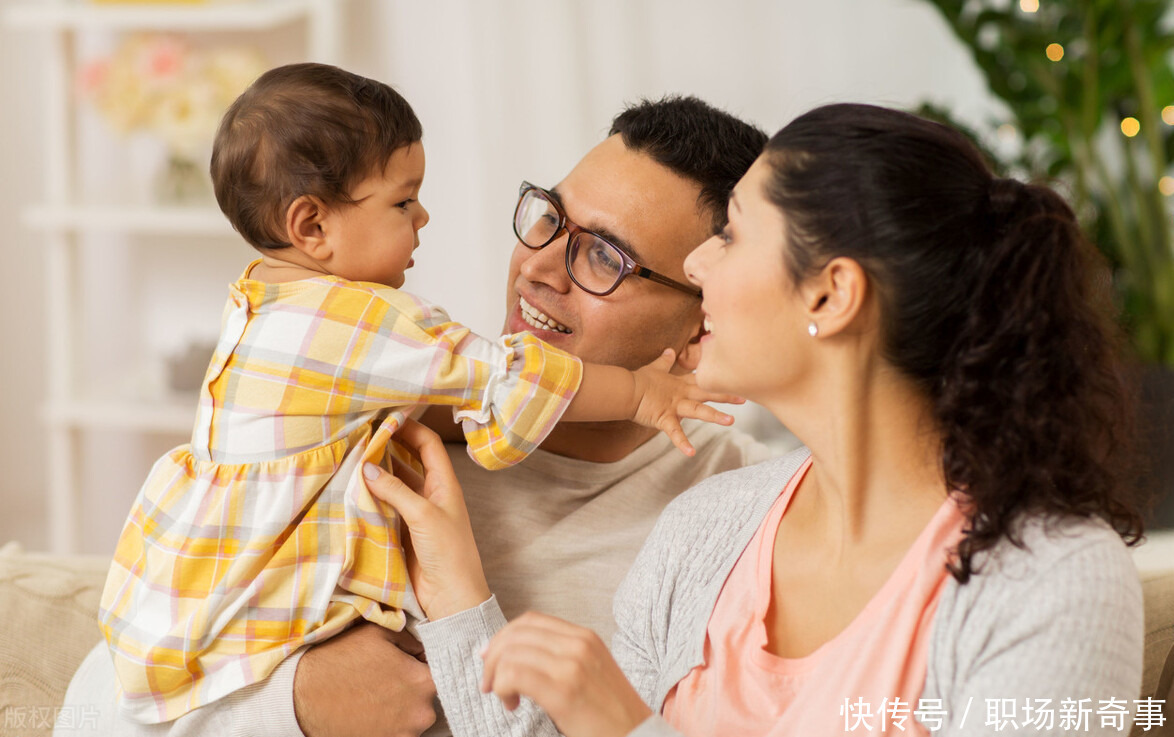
(595, 264)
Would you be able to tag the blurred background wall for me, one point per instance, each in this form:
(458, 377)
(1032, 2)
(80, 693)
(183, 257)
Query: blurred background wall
(507, 90)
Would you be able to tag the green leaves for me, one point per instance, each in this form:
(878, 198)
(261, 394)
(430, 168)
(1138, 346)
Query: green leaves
(1114, 60)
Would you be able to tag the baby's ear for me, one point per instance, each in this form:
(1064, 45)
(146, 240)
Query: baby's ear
(303, 227)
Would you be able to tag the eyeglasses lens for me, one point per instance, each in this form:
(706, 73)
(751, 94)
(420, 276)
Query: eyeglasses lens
(595, 264)
(536, 220)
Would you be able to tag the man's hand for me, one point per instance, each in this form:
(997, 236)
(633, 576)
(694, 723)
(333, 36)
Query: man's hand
(367, 682)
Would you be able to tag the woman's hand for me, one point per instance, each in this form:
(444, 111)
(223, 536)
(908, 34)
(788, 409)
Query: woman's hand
(567, 671)
(443, 561)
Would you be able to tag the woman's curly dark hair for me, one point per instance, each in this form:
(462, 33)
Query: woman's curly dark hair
(991, 300)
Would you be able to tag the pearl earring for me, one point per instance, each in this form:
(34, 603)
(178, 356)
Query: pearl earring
(812, 329)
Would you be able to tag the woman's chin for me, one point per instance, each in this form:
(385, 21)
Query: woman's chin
(710, 380)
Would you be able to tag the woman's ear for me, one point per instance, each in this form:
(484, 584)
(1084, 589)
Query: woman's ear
(835, 297)
(303, 227)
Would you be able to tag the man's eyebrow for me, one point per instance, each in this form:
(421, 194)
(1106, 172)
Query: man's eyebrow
(604, 233)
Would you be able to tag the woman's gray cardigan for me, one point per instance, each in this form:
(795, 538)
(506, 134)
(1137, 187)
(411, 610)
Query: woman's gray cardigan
(1059, 619)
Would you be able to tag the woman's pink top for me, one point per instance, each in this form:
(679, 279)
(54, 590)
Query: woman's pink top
(742, 689)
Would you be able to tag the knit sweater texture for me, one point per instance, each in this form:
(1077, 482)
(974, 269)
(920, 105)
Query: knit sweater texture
(1059, 618)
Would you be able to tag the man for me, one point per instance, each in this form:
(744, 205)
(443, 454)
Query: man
(557, 532)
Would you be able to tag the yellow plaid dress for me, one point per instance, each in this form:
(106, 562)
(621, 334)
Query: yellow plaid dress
(259, 536)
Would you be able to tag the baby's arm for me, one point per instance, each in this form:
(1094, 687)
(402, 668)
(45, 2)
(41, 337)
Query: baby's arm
(649, 395)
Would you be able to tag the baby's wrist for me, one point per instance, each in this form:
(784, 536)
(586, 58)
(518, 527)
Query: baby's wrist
(640, 386)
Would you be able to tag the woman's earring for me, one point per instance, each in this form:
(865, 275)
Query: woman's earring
(812, 329)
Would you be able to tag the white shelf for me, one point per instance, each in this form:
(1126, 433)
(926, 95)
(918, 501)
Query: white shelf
(162, 416)
(144, 219)
(65, 221)
(252, 15)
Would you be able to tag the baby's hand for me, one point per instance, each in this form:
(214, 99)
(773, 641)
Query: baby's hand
(664, 398)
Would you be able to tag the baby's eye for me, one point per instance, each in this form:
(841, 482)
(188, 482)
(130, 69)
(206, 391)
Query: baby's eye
(404, 205)
(725, 237)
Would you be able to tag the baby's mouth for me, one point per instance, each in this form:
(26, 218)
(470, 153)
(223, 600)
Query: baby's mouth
(534, 317)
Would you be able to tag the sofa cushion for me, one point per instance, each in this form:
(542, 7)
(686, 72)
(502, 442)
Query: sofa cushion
(1158, 671)
(49, 607)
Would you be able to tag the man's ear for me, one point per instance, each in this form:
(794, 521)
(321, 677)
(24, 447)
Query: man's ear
(303, 227)
(835, 297)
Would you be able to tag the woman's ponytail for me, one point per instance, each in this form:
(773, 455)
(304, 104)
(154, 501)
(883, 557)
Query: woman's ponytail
(1032, 402)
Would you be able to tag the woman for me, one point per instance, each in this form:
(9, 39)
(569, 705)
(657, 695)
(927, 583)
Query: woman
(949, 545)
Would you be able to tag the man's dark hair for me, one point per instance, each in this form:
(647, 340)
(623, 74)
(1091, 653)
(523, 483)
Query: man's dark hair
(697, 141)
(303, 129)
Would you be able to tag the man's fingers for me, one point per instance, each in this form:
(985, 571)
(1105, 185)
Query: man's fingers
(404, 641)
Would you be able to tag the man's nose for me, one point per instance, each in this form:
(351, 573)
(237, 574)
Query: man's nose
(547, 265)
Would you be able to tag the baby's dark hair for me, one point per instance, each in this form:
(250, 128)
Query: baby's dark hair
(303, 129)
(992, 301)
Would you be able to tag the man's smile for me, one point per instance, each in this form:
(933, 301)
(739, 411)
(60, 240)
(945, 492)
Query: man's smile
(534, 317)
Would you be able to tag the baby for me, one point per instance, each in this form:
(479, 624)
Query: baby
(259, 536)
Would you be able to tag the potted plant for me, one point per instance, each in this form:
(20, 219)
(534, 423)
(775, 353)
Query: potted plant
(1088, 90)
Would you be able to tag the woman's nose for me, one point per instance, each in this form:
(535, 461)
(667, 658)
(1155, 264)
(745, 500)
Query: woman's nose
(695, 262)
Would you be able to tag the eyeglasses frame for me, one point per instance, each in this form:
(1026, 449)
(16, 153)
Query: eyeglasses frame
(630, 267)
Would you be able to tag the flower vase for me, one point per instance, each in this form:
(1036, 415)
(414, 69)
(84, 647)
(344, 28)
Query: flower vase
(182, 181)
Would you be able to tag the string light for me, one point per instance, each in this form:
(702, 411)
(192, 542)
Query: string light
(1168, 115)
(1029, 6)
(1055, 52)
(1166, 186)
(1130, 127)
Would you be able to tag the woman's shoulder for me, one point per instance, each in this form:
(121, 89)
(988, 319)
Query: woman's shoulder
(1045, 545)
(1058, 615)
(694, 544)
(731, 494)
(724, 504)
(1079, 566)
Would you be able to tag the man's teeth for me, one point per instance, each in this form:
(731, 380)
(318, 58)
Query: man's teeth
(707, 325)
(535, 318)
